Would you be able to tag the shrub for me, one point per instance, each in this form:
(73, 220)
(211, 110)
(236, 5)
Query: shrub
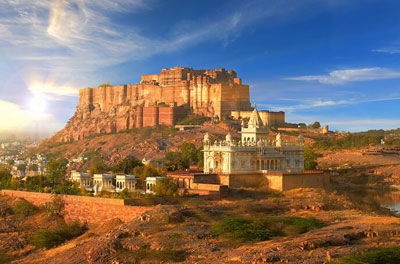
(241, 229)
(24, 208)
(389, 255)
(55, 207)
(165, 187)
(299, 225)
(259, 229)
(194, 120)
(51, 238)
(161, 256)
(310, 159)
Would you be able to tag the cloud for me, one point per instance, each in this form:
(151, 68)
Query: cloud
(53, 91)
(17, 118)
(389, 50)
(307, 104)
(350, 75)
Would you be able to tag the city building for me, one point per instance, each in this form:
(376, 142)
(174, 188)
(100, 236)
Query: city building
(83, 179)
(103, 182)
(151, 183)
(253, 161)
(123, 182)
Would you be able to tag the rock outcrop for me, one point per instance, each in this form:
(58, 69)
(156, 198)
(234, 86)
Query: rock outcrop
(159, 99)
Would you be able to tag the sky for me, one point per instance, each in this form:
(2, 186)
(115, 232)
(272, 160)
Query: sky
(335, 61)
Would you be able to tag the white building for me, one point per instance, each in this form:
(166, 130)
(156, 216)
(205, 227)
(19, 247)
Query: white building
(103, 182)
(125, 182)
(254, 153)
(84, 179)
(151, 183)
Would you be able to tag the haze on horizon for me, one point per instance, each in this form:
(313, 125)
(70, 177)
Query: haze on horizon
(335, 61)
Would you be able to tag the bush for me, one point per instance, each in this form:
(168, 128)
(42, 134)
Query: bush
(310, 159)
(55, 207)
(159, 256)
(389, 255)
(260, 229)
(241, 229)
(24, 208)
(5, 177)
(166, 187)
(194, 120)
(51, 238)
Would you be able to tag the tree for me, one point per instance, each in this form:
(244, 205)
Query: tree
(200, 157)
(302, 125)
(188, 153)
(310, 159)
(5, 177)
(173, 161)
(56, 170)
(315, 125)
(10, 162)
(97, 165)
(166, 187)
(127, 165)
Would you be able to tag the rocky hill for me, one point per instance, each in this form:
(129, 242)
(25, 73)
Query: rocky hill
(159, 99)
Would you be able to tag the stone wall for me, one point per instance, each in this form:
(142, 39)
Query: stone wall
(108, 109)
(268, 118)
(287, 181)
(92, 210)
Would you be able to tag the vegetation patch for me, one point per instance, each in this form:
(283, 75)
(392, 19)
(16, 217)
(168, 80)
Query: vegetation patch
(23, 208)
(194, 120)
(243, 229)
(388, 255)
(52, 238)
(156, 256)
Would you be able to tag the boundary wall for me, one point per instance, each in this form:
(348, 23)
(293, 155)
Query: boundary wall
(92, 210)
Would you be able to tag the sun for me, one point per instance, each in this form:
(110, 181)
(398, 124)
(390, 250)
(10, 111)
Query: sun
(37, 105)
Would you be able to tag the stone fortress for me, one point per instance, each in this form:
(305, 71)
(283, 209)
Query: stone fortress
(162, 99)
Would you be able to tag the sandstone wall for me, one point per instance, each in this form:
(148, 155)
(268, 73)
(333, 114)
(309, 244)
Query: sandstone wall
(92, 210)
(108, 109)
(268, 118)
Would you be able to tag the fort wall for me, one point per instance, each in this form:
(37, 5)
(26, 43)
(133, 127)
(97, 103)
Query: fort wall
(92, 210)
(107, 108)
(268, 118)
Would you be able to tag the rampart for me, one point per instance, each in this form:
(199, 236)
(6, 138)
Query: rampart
(92, 210)
(268, 118)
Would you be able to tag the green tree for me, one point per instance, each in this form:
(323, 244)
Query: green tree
(127, 165)
(146, 171)
(10, 162)
(166, 187)
(315, 125)
(5, 177)
(97, 165)
(174, 161)
(200, 157)
(188, 153)
(310, 159)
(56, 170)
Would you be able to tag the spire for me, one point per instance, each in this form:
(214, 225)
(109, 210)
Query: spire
(255, 119)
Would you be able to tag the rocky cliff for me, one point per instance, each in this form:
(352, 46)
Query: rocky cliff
(159, 99)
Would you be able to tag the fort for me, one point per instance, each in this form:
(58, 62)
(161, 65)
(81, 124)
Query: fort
(162, 99)
(208, 92)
